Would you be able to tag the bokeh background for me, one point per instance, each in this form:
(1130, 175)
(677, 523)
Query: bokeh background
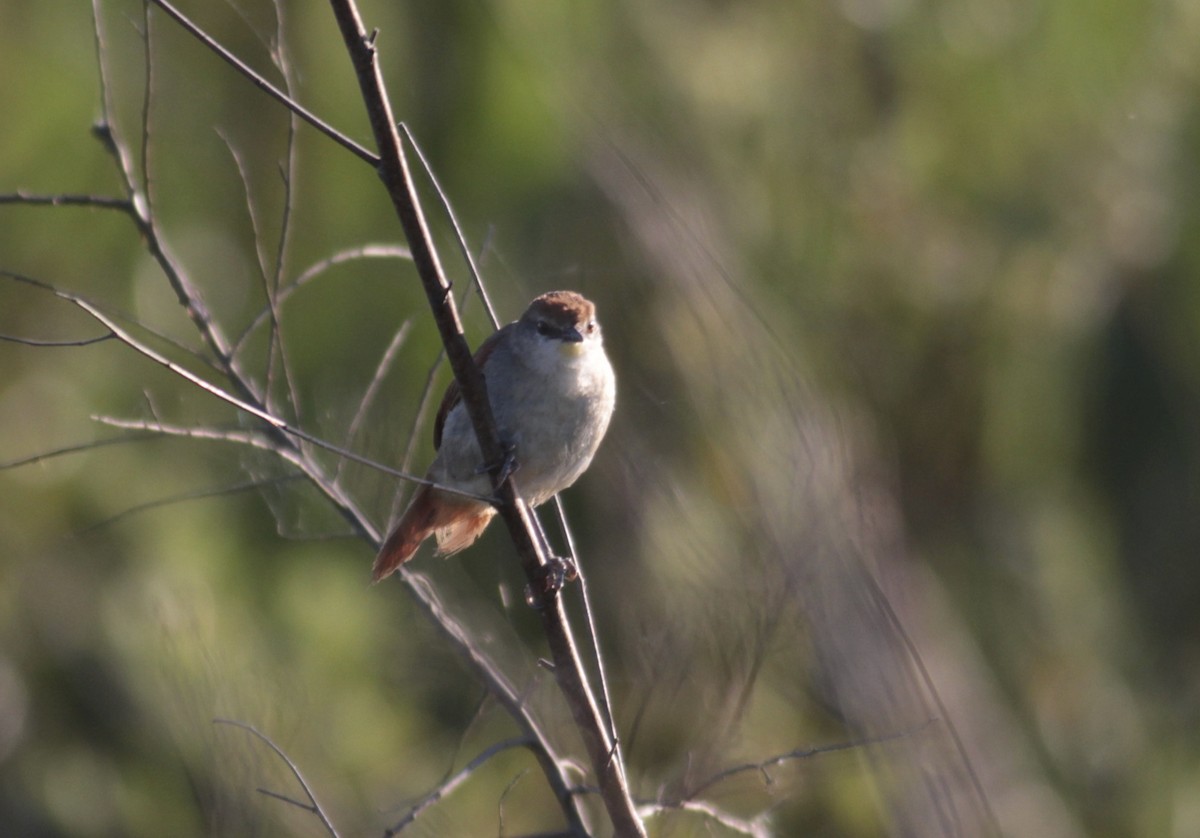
(903, 298)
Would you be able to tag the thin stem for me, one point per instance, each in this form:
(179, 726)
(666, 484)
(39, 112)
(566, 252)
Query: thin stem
(451, 783)
(66, 200)
(274, 422)
(314, 271)
(53, 343)
(799, 754)
(202, 494)
(368, 398)
(265, 86)
(314, 806)
(75, 449)
(459, 237)
(593, 637)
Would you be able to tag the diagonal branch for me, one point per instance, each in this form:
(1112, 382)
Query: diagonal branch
(799, 754)
(264, 85)
(397, 179)
(453, 782)
(422, 591)
(281, 427)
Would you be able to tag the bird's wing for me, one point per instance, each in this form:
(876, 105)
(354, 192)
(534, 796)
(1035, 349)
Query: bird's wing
(453, 396)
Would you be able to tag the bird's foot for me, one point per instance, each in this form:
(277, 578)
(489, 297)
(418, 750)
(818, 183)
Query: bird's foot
(552, 577)
(506, 467)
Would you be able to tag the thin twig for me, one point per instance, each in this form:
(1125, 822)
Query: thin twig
(512, 784)
(452, 783)
(368, 398)
(754, 828)
(798, 754)
(147, 104)
(262, 442)
(314, 806)
(53, 343)
(265, 86)
(270, 419)
(369, 251)
(75, 449)
(593, 637)
(885, 605)
(201, 494)
(287, 171)
(104, 129)
(193, 354)
(463, 249)
(66, 200)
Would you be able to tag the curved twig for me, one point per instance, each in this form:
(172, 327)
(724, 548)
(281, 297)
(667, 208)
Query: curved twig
(453, 782)
(369, 251)
(798, 754)
(52, 343)
(313, 806)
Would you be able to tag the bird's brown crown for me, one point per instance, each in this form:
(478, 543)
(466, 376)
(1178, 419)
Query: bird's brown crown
(565, 308)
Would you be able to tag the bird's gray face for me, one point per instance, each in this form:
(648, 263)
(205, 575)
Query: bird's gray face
(562, 323)
(568, 336)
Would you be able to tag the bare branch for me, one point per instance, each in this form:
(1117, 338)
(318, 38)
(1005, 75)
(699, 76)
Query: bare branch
(512, 784)
(52, 343)
(452, 783)
(754, 828)
(268, 276)
(798, 754)
(75, 449)
(261, 441)
(397, 179)
(103, 130)
(381, 371)
(370, 251)
(66, 200)
(202, 494)
(265, 86)
(593, 638)
(885, 605)
(313, 806)
(270, 419)
(147, 104)
(185, 291)
(463, 249)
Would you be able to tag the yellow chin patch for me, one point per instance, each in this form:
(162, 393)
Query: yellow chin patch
(570, 349)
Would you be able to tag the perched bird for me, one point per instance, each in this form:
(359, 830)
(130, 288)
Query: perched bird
(552, 392)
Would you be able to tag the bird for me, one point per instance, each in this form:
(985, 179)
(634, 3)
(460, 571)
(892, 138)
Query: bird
(552, 392)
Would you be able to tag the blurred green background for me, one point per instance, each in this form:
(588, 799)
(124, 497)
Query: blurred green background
(892, 287)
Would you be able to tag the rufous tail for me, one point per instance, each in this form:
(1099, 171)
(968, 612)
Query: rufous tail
(456, 523)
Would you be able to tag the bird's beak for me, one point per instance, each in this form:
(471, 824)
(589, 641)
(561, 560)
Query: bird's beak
(572, 343)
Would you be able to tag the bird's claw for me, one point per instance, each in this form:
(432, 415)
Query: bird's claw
(506, 467)
(552, 577)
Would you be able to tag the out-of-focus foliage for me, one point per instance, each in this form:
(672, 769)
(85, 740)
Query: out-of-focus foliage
(907, 289)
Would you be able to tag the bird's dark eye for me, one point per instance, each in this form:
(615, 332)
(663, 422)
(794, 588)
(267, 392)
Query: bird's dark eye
(544, 329)
(592, 326)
